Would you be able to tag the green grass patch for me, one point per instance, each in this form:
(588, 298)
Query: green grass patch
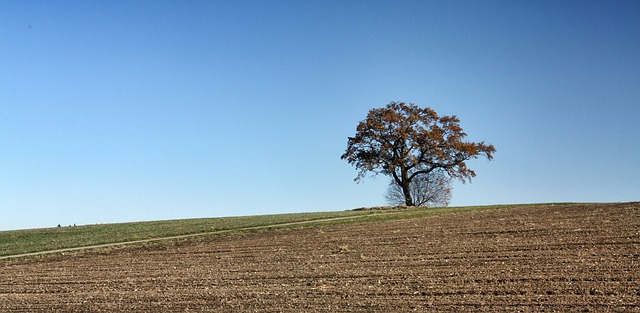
(35, 240)
(45, 239)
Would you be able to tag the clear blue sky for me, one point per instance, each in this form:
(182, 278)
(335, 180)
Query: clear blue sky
(115, 111)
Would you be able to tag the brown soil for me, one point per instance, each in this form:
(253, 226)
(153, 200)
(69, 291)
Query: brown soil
(551, 258)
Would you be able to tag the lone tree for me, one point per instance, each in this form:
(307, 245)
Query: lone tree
(406, 141)
(429, 190)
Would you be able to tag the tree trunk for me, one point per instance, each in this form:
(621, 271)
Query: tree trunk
(407, 194)
(405, 183)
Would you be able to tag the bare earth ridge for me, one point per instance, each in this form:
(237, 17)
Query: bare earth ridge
(547, 258)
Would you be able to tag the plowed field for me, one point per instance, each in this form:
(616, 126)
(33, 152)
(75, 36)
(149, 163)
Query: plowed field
(548, 258)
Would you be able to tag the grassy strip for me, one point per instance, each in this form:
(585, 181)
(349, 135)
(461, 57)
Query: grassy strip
(36, 240)
(387, 215)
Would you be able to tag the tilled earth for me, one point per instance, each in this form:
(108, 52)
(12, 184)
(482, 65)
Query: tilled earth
(548, 258)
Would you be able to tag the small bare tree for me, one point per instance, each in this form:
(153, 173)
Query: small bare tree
(430, 190)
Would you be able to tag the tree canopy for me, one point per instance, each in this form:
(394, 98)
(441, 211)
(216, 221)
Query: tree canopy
(405, 141)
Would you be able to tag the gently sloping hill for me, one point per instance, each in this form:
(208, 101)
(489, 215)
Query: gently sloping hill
(62, 239)
(187, 236)
(553, 258)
